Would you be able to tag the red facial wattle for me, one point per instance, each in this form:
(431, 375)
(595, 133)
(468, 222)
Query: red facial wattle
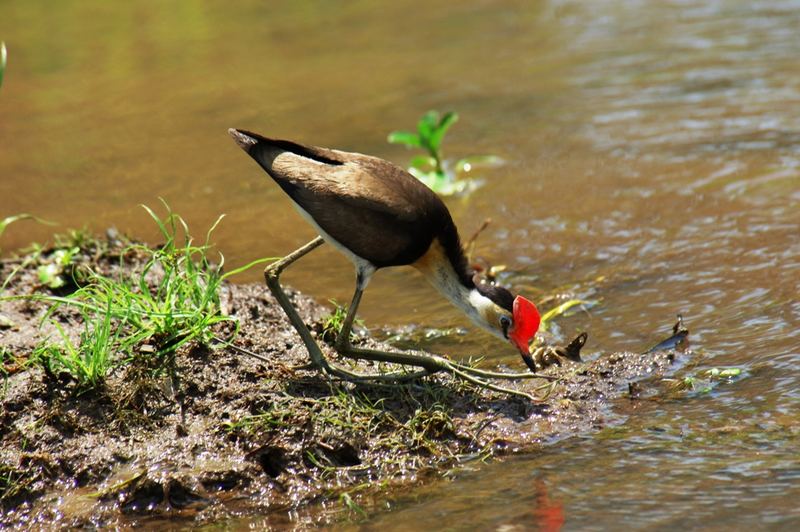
(526, 323)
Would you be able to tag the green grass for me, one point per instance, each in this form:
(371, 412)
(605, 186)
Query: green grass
(347, 501)
(333, 322)
(8, 363)
(3, 60)
(54, 272)
(4, 223)
(88, 360)
(14, 483)
(432, 168)
(170, 300)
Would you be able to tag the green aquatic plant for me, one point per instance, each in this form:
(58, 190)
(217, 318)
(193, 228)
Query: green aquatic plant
(706, 380)
(724, 373)
(564, 310)
(431, 130)
(432, 168)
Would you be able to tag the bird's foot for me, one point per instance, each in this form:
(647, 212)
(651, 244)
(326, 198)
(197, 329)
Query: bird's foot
(434, 363)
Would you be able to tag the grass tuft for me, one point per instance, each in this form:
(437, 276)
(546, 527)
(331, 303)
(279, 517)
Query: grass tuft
(14, 484)
(171, 299)
(88, 360)
(333, 322)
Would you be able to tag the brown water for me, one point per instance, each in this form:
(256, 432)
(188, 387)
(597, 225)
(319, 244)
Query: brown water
(655, 145)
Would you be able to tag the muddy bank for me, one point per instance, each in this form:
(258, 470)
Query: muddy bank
(214, 432)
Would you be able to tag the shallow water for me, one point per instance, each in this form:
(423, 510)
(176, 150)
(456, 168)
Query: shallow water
(653, 163)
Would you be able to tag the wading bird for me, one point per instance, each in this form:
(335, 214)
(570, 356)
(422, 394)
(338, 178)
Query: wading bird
(379, 215)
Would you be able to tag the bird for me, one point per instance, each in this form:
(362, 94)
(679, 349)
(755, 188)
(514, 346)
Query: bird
(380, 216)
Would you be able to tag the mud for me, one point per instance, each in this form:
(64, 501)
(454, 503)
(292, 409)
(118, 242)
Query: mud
(226, 434)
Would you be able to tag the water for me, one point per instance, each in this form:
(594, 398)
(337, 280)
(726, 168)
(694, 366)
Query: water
(653, 156)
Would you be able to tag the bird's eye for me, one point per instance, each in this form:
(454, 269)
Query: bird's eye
(505, 323)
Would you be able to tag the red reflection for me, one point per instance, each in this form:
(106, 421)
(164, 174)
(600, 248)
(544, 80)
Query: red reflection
(549, 514)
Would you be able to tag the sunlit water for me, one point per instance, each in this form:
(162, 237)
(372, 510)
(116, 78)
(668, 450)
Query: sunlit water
(653, 163)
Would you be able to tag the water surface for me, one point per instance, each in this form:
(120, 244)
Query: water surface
(653, 163)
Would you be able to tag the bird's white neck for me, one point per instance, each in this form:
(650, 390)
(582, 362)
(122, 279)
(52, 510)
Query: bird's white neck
(440, 273)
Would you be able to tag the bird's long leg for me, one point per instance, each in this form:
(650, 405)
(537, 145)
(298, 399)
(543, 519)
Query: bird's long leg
(343, 346)
(429, 363)
(272, 276)
(435, 363)
(343, 338)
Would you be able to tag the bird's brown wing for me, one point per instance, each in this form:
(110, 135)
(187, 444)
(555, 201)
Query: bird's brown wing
(370, 206)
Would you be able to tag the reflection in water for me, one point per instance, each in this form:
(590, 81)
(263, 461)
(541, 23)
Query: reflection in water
(654, 163)
(548, 515)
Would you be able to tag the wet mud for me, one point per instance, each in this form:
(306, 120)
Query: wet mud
(223, 434)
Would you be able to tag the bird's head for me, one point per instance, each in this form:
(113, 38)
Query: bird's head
(510, 317)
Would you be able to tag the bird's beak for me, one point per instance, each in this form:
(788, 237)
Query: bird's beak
(526, 323)
(243, 139)
(525, 351)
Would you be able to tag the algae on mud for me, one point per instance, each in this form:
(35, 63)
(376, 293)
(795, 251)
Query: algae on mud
(208, 432)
